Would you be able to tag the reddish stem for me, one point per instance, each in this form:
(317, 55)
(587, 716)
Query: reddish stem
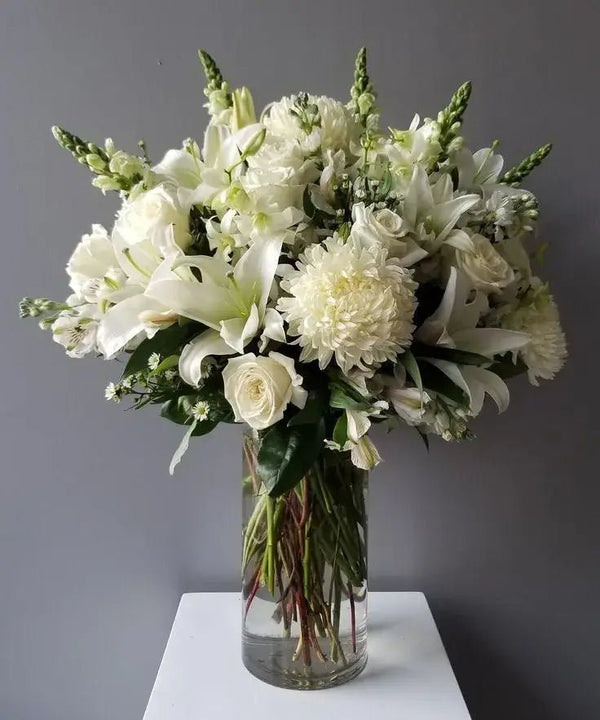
(254, 590)
(302, 611)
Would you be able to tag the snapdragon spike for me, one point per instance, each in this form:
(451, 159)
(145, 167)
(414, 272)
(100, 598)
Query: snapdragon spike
(214, 76)
(451, 117)
(98, 160)
(519, 172)
(362, 92)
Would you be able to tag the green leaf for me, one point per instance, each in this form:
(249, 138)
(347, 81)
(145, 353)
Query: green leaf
(313, 410)
(459, 357)
(164, 343)
(343, 397)
(168, 363)
(340, 431)
(307, 204)
(287, 453)
(434, 379)
(412, 368)
(179, 411)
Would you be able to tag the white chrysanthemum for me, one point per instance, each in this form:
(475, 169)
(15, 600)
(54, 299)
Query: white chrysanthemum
(336, 128)
(537, 315)
(351, 302)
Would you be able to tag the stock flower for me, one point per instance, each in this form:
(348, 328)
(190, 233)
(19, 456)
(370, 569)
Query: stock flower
(259, 389)
(349, 302)
(537, 315)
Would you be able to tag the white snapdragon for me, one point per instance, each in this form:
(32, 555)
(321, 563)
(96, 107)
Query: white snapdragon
(259, 389)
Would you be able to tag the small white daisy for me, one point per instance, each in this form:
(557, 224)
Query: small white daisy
(200, 411)
(112, 392)
(153, 361)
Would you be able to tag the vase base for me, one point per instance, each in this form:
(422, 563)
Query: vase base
(271, 662)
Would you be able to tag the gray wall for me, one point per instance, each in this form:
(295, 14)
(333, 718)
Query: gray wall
(97, 542)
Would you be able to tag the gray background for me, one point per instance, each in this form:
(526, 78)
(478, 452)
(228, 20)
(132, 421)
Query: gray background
(97, 542)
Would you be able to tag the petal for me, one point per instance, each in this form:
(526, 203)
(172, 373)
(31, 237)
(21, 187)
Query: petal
(489, 341)
(238, 331)
(273, 324)
(489, 383)
(203, 302)
(182, 448)
(255, 270)
(123, 321)
(207, 344)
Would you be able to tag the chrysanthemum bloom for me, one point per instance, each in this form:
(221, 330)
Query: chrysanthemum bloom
(537, 315)
(332, 127)
(351, 302)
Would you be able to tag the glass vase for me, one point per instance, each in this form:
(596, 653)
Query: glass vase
(304, 570)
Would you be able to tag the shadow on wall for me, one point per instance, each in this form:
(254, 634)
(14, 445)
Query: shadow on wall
(492, 689)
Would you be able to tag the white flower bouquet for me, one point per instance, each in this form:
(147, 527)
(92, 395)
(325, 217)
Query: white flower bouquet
(309, 273)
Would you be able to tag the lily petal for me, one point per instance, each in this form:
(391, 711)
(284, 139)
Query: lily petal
(489, 341)
(255, 270)
(238, 331)
(207, 344)
(123, 321)
(273, 323)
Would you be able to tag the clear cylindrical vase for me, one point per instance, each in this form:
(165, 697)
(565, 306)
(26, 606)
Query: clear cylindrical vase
(304, 569)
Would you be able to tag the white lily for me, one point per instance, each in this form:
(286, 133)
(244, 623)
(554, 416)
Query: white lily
(231, 301)
(454, 325)
(432, 211)
(223, 154)
(476, 170)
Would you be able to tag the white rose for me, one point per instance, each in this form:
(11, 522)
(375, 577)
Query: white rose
(384, 227)
(93, 267)
(259, 389)
(148, 218)
(484, 265)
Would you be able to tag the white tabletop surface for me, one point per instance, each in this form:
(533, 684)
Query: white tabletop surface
(408, 675)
